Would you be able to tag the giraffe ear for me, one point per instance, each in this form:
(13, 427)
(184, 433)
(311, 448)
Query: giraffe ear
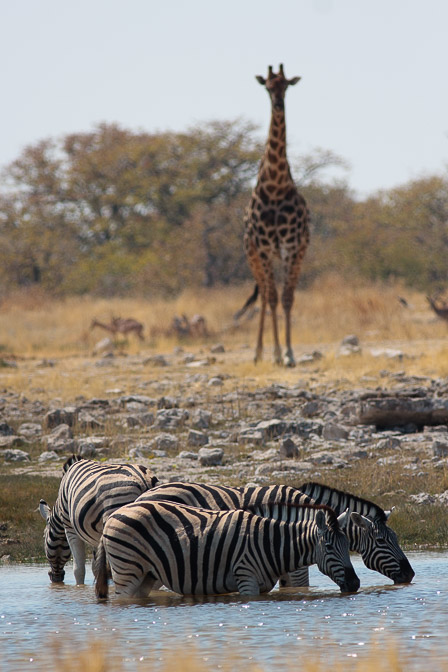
(260, 79)
(294, 80)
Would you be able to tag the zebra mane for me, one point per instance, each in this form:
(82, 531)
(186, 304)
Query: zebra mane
(331, 517)
(365, 507)
(71, 460)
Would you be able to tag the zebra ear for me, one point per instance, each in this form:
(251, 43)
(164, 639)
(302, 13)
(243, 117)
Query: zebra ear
(389, 512)
(44, 509)
(360, 521)
(320, 521)
(343, 519)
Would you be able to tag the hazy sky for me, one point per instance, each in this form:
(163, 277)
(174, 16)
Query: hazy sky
(374, 85)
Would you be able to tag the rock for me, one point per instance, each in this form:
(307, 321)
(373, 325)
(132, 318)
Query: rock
(215, 382)
(270, 454)
(171, 418)
(10, 441)
(88, 421)
(102, 346)
(440, 449)
(271, 428)
(350, 340)
(217, 348)
(156, 361)
(251, 436)
(422, 498)
(166, 442)
(61, 416)
(390, 443)
(15, 455)
(187, 455)
(310, 357)
(333, 432)
(92, 446)
(48, 456)
(30, 430)
(288, 448)
(210, 457)
(389, 353)
(401, 411)
(201, 419)
(167, 402)
(196, 438)
(5, 429)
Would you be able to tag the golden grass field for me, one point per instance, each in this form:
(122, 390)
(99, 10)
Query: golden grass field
(32, 327)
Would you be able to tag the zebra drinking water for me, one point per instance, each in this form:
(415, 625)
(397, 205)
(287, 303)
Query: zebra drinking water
(372, 537)
(195, 551)
(369, 535)
(88, 493)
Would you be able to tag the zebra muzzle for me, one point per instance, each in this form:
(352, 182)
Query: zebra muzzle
(406, 573)
(351, 581)
(56, 577)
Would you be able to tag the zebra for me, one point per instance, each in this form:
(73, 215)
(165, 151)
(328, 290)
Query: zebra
(196, 551)
(367, 533)
(372, 537)
(88, 493)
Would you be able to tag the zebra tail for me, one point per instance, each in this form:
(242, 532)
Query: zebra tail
(101, 573)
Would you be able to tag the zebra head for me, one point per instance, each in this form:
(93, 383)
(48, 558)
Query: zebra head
(56, 545)
(332, 550)
(378, 545)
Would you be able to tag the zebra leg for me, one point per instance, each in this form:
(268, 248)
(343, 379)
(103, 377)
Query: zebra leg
(246, 582)
(78, 550)
(298, 578)
(146, 586)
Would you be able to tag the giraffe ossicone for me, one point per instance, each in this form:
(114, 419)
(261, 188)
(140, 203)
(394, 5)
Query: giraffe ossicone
(276, 223)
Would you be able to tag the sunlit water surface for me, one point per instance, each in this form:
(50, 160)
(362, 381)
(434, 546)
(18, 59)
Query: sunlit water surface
(273, 630)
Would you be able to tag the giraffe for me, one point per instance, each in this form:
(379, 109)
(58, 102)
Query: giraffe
(276, 223)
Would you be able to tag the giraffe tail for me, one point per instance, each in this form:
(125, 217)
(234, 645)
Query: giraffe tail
(252, 298)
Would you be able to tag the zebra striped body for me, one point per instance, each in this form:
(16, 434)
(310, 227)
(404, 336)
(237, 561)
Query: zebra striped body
(369, 535)
(88, 493)
(195, 551)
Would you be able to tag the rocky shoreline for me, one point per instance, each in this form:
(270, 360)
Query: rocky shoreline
(204, 432)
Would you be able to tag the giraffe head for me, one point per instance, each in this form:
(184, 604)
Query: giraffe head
(276, 85)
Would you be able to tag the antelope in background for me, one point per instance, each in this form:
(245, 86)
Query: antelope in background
(440, 309)
(120, 325)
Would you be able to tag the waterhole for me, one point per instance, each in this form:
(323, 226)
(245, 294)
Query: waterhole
(276, 629)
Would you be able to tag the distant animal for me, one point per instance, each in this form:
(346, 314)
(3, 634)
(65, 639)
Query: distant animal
(120, 325)
(88, 493)
(440, 309)
(182, 327)
(276, 223)
(195, 551)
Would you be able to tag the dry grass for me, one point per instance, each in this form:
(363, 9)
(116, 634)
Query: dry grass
(33, 328)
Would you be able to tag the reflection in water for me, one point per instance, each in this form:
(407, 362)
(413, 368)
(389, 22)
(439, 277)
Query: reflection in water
(270, 630)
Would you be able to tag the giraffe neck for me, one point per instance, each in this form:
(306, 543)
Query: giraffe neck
(274, 168)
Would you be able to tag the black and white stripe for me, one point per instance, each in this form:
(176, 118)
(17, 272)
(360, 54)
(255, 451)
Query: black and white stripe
(368, 533)
(88, 493)
(194, 551)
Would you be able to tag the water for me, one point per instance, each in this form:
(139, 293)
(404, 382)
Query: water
(272, 630)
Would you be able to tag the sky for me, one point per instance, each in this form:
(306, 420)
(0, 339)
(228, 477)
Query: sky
(374, 85)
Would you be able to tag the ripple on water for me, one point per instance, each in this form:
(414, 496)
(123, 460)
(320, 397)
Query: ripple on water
(270, 630)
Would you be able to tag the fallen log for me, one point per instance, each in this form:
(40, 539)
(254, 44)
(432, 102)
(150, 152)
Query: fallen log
(397, 412)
